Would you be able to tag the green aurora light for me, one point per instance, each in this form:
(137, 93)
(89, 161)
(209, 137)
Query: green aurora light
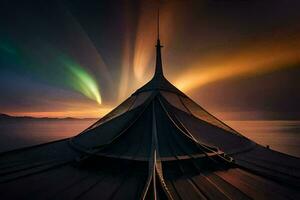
(53, 66)
(83, 81)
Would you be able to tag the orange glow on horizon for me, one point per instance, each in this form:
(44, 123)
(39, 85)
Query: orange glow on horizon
(84, 113)
(254, 59)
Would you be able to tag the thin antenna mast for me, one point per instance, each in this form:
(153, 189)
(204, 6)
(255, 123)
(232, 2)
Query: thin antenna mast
(158, 68)
(157, 23)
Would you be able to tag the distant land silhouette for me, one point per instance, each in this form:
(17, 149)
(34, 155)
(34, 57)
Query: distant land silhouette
(4, 116)
(238, 116)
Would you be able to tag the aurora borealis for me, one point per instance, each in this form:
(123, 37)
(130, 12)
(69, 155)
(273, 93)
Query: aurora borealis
(84, 82)
(81, 58)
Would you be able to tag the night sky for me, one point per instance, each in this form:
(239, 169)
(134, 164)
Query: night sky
(80, 58)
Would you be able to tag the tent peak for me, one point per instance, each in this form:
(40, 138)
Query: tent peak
(158, 67)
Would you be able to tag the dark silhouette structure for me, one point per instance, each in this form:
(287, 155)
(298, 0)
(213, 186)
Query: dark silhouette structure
(158, 144)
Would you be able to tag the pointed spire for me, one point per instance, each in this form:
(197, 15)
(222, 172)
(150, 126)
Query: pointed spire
(158, 67)
(157, 24)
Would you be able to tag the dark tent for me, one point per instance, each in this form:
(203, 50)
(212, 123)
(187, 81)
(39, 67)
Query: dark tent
(158, 144)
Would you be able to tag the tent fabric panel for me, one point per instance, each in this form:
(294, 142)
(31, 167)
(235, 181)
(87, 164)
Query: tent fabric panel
(186, 189)
(79, 188)
(121, 109)
(231, 191)
(211, 135)
(131, 188)
(272, 164)
(69, 182)
(174, 100)
(271, 158)
(59, 148)
(210, 190)
(141, 98)
(171, 142)
(183, 131)
(202, 114)
(255, 189)
(32, 160)
(261, 182)
(42, 185)
(136, 141)
(107, 131)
